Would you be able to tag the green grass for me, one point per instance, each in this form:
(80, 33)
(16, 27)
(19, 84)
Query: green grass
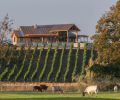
(57, 96)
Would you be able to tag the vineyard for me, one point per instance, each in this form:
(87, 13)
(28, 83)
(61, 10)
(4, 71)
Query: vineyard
(43, 65)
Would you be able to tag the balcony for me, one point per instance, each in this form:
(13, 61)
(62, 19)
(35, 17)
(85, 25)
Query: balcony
(54, 45)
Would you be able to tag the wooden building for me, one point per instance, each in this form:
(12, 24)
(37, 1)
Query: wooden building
(45, 33)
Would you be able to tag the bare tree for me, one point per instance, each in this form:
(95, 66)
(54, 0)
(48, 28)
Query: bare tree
(5, 28)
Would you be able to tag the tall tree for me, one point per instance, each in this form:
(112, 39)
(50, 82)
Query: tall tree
(5, 28)
(107, 37)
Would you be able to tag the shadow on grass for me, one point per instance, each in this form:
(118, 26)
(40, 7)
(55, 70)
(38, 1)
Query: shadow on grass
(63, 98)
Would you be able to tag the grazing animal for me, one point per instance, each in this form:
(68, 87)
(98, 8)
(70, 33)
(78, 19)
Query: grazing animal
(37, 88)
(40, 88)
(115, 88)
(44, 87)
(91, 89)
(57, 89)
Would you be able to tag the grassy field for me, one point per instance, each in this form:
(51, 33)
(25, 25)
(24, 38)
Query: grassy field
(57, 96)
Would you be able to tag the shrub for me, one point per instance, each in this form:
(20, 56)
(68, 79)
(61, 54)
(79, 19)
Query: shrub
(38, 64)
(76, 62)
(45, 64)
(30, 64)
(84, 60)
(60, 66)
(22, 66)
(3, 73)
(110, 70)
(53, 63)
(11, 72)
(68, 62)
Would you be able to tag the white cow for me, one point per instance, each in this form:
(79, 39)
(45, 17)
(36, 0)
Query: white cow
(91, 89)
(115, 88)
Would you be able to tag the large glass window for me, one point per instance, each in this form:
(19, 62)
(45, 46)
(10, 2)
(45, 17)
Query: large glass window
(21, 39)
(63, 36)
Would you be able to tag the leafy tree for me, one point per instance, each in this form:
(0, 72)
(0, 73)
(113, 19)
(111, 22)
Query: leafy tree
(107, 37)
(5, 28)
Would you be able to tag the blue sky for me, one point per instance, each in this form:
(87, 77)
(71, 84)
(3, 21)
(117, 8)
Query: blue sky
(84, 13)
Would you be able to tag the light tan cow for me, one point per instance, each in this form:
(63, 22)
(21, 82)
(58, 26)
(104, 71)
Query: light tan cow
(90, 90)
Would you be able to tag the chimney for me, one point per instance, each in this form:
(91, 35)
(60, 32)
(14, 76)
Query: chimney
(35, 26)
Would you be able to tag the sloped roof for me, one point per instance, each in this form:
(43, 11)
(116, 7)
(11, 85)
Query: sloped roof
(18, 33)
(45, 29)
(64, 27)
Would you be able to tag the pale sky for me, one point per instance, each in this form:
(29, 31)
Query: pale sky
(83, 13)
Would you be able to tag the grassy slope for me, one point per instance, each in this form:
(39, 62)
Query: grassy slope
(57, 96)
(42, 61)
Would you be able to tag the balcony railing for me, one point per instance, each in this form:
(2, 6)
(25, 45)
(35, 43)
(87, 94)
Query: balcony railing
(55, 44)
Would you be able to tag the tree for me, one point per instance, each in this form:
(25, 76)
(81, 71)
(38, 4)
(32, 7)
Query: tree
(5, 28)
(107, 37)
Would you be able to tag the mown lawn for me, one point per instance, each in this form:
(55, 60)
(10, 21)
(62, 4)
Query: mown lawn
(56, 96)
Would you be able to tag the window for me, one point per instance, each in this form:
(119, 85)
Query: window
(21, 39)
(63, 36)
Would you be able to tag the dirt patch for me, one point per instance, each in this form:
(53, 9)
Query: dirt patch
(28, 86)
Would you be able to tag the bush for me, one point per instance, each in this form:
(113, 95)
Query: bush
(60, 65)
(111, 70)
(84, 60)
(38, 64)
(45, 64)
(30, 64)
(53, 63)
(76, 62)
(68, 62)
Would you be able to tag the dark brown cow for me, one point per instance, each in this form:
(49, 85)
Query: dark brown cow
(40, 88)
(37, 88)
(44, 87)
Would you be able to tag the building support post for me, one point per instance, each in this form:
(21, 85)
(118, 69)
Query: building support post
(42, 39)
(87, 39)
(57, 37)
(67, 37)
(76, 37)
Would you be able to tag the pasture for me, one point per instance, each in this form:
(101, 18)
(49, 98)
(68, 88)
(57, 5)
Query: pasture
(57, 96)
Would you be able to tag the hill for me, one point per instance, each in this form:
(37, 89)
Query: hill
(41, 64)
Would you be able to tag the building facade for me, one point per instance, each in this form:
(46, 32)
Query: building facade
(45, 34)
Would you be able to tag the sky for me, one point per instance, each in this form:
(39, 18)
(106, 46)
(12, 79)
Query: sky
(83, 13)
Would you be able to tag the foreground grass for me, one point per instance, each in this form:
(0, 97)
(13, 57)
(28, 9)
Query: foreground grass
(57, 96)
